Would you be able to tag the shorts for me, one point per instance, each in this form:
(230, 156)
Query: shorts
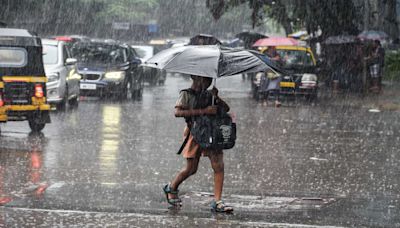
(193, 150)
(375, 71)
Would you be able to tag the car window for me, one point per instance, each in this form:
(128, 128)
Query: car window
(141, 52)
(100, 53)
(296, 58)
(144, 52)
(13, 57)
(65, 53)
(50, 54)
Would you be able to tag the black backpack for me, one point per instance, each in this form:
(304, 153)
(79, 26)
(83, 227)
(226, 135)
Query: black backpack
(214, 132)
(211, 132)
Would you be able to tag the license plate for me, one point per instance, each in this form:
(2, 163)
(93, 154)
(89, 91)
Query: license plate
(288, 84)
(88, 86)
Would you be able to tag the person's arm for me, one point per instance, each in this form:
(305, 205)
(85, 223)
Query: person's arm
(180, 112)
(221, 103)
(218, 101)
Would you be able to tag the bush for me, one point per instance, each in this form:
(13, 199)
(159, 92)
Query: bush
(392, 66)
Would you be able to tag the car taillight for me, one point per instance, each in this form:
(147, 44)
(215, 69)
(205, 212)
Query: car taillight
(1, 99)
(39, 91)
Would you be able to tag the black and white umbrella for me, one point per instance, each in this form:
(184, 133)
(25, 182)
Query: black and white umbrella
(210, 61)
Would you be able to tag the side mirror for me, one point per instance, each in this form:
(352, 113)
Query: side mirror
(135, 61)
(70, 61)
(319, 62)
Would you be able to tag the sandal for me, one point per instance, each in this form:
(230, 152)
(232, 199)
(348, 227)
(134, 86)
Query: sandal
(175, 201)
(219, 206)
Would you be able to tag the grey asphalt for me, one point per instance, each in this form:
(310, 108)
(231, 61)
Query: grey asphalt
(333, 163)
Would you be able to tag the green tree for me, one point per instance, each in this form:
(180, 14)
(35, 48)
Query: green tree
(333, 17)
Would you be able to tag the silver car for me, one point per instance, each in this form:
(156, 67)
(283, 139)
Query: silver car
(63, 78)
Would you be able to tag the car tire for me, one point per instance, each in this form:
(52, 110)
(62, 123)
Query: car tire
(63, 104)
(74, 103)
(255, 93)
(124, 93)
(312, 97)
(36, 127)
(137, 94)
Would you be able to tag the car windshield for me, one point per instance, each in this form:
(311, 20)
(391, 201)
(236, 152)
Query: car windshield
(144, 52)
(295, 58)
(13, 57)
(50, 54)
(99, 54)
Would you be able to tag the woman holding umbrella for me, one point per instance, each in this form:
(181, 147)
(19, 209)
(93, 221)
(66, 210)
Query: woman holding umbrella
(270, 83)
(192, 102)
(207, 63)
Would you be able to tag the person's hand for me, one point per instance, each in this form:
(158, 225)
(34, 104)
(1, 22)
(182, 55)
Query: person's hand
(211, 110)
(214, 91)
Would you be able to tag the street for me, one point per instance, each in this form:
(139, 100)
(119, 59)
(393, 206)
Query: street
(328, 164)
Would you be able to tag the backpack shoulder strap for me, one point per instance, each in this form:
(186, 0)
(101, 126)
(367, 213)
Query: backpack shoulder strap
(188, 90)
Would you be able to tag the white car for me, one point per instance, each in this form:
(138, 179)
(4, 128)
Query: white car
(63, 78)
(151, 75)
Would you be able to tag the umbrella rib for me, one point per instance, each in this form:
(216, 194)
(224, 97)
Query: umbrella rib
(179, 53)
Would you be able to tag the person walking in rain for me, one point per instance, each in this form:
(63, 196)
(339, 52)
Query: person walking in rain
(270, 82)
(196, 101)
(377, 60)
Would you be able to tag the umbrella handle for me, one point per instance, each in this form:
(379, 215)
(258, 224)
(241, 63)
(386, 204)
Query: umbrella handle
(213, 97)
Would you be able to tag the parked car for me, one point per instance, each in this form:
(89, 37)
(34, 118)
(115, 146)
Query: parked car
(151, 75)
(23, 93)
(108, 69)
(301, 77)
(62, 77)
(71, 39)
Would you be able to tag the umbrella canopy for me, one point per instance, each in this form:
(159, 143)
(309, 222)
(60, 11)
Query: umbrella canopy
(206, 40)
(249, 38)
(300, 35)
(341, 39)
(276, 41)
(210, 61)
(373, 35)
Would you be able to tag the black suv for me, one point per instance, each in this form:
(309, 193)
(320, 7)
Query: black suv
(108, 69)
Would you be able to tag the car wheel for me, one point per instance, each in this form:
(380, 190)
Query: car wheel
(129, 90)
(74, 103)
(36, 127)
(311, 97)
(256, 94)
(62, 105)
(138, 93)
(124, 93)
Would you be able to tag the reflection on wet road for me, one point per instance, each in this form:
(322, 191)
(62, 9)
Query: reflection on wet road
(338, 164)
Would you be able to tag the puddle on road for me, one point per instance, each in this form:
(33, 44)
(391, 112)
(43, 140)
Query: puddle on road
(258, 203)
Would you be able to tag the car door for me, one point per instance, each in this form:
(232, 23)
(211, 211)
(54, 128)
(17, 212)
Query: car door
(73, 78)
(134, 67)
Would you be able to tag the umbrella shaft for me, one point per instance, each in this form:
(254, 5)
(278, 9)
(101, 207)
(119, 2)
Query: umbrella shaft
(214, 85)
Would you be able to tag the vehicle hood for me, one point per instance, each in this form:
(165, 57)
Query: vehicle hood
(85, 67)
(300, 69)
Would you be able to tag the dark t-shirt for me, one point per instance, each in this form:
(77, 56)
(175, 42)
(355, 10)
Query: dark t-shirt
(191, 99)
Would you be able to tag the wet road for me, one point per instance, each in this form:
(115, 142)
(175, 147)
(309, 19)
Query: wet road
(333, 163)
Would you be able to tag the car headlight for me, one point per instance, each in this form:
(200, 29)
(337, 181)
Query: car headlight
(309, 78)
(115, 75)
(52, 77)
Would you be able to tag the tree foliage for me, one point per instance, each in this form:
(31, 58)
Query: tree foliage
(333, 17)
(140, 11)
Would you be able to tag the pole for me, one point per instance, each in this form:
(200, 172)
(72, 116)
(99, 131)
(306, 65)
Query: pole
(214, 84)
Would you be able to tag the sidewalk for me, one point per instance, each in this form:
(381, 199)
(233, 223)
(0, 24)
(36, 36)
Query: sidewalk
(387, 100)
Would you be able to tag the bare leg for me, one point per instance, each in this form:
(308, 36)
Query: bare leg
(217, 163)
(190, 169)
